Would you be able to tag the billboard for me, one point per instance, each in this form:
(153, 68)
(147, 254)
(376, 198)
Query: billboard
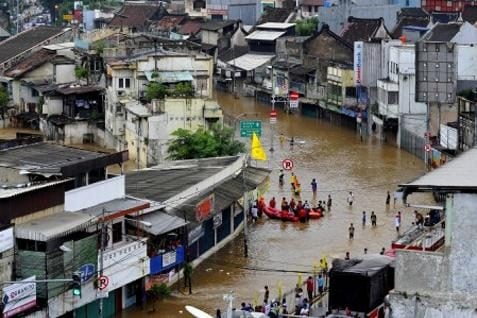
(19, 297)
(358, 63)
(6, 240)
(205, 208)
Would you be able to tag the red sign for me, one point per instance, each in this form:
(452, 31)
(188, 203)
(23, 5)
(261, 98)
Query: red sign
(287, 164)
(294, 95)
(427, 148)
(103, 282)
(273, 113)
(204, 208)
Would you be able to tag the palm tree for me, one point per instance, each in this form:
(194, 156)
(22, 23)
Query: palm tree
(158, 292)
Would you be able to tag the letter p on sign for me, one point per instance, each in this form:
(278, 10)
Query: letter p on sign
(287, 164)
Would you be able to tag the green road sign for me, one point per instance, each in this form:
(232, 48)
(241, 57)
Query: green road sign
(248, 127)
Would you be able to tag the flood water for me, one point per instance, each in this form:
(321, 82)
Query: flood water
(340, 162)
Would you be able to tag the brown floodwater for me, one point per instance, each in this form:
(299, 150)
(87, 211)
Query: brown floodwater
(340, 162)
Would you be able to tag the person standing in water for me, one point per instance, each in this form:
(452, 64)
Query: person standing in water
(314, 186)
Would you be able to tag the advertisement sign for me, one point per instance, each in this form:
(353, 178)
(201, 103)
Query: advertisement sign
(293, 100)
(168, 258)
(125, 264)
(19, 297)
(204, 209)
(195, 234)
(281, 84)
(6, 239)
(358, 62)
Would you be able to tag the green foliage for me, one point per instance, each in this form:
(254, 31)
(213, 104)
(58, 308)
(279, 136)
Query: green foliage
(99, 46)
(155, 90)
(158, 292)
(184, 89)
(306, 27)
(4, 98)
(216, 142)
(81, 72)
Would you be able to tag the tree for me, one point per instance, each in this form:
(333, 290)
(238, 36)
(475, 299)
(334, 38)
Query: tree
(155, 90)
(216, 142)
(306, 27)
(4, 98)
(184, 89)
(158, 292)
(81, 72)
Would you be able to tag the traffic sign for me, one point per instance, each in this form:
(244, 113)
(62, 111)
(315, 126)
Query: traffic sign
(248, 127)
(102, 294)
(294, 100)
(103, 282)
(287, 164)
(427, 148)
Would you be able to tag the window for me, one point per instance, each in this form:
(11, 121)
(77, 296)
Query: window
(350, 92)
(393, 98)
(34, 93)
(117, 232)
(124, 83)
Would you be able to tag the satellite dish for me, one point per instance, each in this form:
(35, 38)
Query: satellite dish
(197, 313)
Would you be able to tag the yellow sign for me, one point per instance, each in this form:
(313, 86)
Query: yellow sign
(67, 17)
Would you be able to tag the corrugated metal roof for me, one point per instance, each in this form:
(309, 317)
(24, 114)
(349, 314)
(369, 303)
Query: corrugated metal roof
(52, 226)
(138, 110)
(250, 61)
(10, 192)
(161, 222)
(113, 206)
(458, 174)
(265, 35)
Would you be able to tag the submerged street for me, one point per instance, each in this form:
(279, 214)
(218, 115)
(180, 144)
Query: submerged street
(340, 162)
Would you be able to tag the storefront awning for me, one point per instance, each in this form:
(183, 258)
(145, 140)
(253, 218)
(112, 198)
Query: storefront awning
(161, 222)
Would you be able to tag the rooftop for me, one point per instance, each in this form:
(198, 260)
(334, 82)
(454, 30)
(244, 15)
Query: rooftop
(115, 208)
(443, 32)
(30, 63)
(4, 33)
(358, 29)
(161, 222)
(135, 15)
(264, 35)
(53, 159)
(169, 22)
(413, 12)
(405, 22)
(249, 61)
(8, 192)
(318, 3)
(190, 27)
(212, 25)
(26, 40)
(456, 175)
(232, 53)
(162, 183)
(52, 226)
(469, 14)
(444, 17)
(275, 25)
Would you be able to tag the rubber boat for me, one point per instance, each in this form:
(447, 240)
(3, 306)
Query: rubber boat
(272, 213)
(276, 214)
(315, 214)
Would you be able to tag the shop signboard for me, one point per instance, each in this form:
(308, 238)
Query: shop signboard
(358, 62)
(168, 258)
(217, 220)
(19, 297)
(204, 209)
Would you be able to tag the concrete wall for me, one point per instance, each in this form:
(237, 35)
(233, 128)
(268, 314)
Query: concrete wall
(463, 250)
(94, 194)
(467, 62)
(65, 73)
(419, 272)
(209, 37)
(53, 106)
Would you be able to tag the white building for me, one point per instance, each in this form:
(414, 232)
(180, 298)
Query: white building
(127, 82)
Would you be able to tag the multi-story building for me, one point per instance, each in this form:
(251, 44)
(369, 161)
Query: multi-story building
(127, 82)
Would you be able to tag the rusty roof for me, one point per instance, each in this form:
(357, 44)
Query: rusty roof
(190, 27)
(135, 15)
(169, 22)
(30, 63)
(319, 3)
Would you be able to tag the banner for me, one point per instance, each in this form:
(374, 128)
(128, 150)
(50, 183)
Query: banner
(358, 62)
(19, 297)
(6, 239)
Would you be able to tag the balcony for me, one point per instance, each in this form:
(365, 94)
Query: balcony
(314, 91)
(167, 260)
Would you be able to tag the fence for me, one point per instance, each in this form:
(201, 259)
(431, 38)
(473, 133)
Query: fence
(412, 143)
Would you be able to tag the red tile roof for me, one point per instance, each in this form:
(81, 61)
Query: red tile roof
(190, 27)
(169, 22)
(31, 62)
(135, 15)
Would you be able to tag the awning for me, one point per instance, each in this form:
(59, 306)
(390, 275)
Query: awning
(161, 222)
(169, 76)
(457, 175)
(265, 35)
(55, 225)
(248, 62)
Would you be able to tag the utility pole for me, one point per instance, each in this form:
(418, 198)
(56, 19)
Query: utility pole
(426, 153)
(245, 210)
(101, 263)
(18, 16)
(272, 130)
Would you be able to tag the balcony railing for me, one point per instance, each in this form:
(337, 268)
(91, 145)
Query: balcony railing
(167, 260)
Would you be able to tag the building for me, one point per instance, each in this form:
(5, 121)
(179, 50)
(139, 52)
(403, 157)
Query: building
(336, 16)
(439, 283)
(309, 8)
(127, 80)
(467, 133)
(215, 36)
(135, 16)
(206, 193)
(22, 44)
(410, 17)
(247, 11)
(149, 128)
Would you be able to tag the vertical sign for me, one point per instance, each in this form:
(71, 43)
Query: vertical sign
(293, 100)
(358, 63)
